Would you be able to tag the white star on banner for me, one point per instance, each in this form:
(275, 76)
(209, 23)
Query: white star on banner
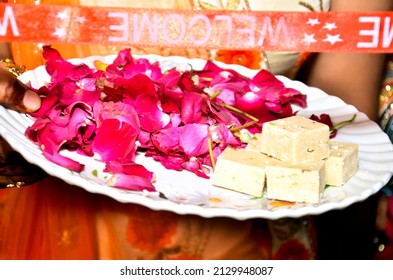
(309, 39)
(60, 32)
(330, 26)
(62, 15)
(333, 39)
(313, 21)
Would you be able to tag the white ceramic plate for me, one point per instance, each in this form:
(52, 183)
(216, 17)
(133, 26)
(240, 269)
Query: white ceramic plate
(185, 193)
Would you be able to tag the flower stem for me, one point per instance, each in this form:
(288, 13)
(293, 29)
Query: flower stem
(210, 146)
(343, 123)
(214, 95)
(253, 119)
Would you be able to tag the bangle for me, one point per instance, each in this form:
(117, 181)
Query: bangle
(12, 67)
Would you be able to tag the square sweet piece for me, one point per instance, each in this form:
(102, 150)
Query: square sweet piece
(342, 163)
(295, 139)
(241, 170)
(297, 183)
(255, 143)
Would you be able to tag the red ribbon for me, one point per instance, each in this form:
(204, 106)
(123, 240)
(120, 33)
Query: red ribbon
(271, 31)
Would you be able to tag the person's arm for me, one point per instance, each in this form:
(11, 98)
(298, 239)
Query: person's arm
(355, 78)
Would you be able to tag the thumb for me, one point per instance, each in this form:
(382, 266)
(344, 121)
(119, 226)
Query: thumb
(15, 95)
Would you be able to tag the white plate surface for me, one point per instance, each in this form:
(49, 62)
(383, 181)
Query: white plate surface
(185, 193)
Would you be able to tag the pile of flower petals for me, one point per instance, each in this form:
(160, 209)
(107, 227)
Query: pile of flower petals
(184, 120)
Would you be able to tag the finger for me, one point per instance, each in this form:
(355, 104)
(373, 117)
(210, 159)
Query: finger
(17, 96)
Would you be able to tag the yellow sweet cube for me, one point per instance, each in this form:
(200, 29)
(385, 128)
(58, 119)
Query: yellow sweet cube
(295, 139)
(342, 163)
(296, 183)
(241, 170)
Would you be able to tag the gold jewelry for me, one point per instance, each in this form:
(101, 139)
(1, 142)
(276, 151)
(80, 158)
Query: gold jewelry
(12, 67)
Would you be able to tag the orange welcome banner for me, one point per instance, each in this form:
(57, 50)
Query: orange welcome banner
(271, 31)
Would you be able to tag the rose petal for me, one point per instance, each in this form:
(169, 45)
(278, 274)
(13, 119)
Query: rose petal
(194, 139)
(115, 140)
(130, 182)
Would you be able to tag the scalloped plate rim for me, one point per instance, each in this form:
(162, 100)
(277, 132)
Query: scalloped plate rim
(17, 141)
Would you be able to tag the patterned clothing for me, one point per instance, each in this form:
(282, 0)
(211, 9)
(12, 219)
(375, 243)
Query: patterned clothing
(385, 240)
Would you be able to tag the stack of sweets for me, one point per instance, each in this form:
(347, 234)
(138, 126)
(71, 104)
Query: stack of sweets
(292, 157)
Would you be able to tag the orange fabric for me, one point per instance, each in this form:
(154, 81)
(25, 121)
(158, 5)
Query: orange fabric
(250, 59)
(150, 236)
(48, 220)
(129, 231)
